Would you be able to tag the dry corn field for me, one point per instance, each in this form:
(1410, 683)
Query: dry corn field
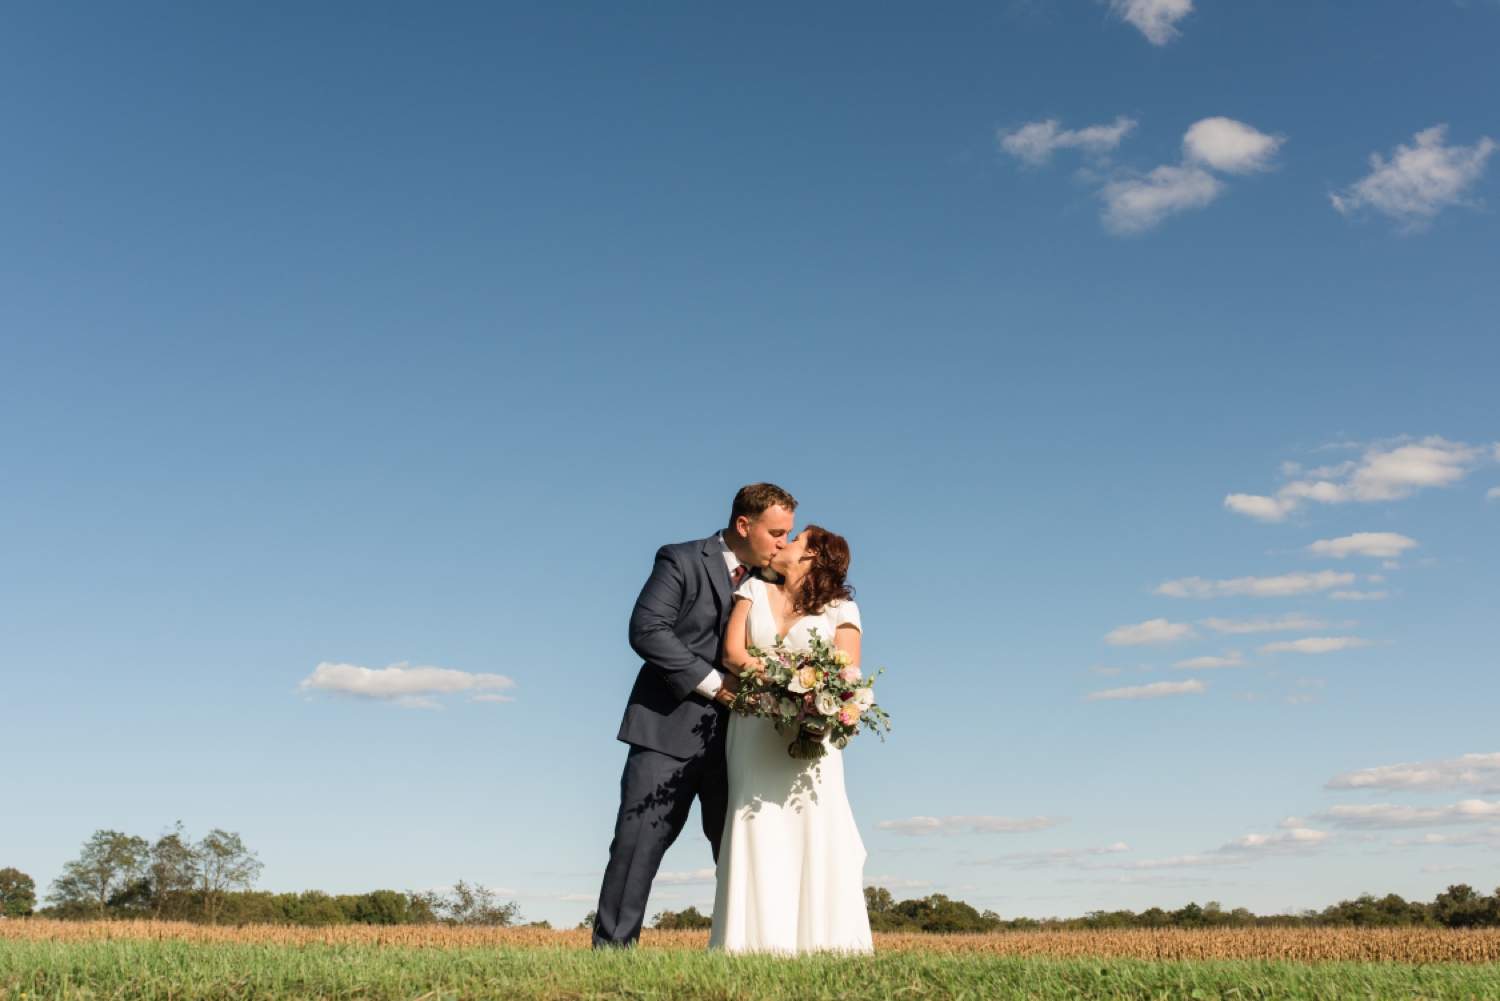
(1312, 945)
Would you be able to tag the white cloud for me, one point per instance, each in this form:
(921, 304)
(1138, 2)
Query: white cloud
(1231, 146)
(1291, 841)
(1034, 142)
(1139, 203)
(1293, 622)
(1419, 181)
(1231, 658)
(1300, 700)
(1050, 857)
(400, 685)
(1291, 823)
(1257, 507)
(1247, 848)
(1155, 690)
(1156, 19)
(1385, 816)
(1152, 631)
(892, 883)
(1314, 644)
(697, 877)
(1284, 586)
(1106, 671)
(972, 825)
(1488, 838)
(1386, 471)
(1493, 493)
(1180, 862)
(1474, 772)
(1360, 595)
(1386, 545)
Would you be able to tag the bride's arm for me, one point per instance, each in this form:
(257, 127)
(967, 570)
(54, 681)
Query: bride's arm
(846, 639)
(736, 653)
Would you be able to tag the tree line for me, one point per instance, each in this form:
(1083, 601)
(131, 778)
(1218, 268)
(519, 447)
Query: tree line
(1459, 906)
(211, 881)
(119, 876)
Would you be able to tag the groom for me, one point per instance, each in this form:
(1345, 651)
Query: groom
(675, 720)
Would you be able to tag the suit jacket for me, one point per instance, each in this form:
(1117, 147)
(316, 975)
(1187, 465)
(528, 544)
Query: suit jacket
(677, 628)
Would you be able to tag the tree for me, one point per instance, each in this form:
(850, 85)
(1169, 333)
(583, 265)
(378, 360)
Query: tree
(17, 893)
(687, 920)
(110, 861)
(223, 864)
(878, 900)
(171, 869)
(589, 920)
(468, 904)
(1461, 906)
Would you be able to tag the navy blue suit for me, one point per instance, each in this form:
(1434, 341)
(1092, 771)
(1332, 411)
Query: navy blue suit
(676, 735)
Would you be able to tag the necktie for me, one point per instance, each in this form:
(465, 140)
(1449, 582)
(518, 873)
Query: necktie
(739, 574)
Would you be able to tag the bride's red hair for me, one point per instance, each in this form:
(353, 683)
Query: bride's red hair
(825, 581)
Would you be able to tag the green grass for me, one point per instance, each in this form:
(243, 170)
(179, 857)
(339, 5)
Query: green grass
(177, 971)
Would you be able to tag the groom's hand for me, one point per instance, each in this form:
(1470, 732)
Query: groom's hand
(728, 690)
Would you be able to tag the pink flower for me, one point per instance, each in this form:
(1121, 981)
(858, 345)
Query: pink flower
(849, 715)
(851, 673)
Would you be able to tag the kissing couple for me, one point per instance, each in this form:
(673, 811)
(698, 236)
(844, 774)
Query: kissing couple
(790, 861)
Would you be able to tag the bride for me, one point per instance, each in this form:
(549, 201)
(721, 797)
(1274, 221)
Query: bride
(791, 863)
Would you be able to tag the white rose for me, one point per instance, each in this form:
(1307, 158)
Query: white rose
(864, 698)
(827, 703)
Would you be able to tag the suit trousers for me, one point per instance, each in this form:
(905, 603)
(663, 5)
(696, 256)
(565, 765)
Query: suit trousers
(656, 793)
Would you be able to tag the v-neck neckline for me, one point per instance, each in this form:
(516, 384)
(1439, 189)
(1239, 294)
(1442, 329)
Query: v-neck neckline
(777, 625)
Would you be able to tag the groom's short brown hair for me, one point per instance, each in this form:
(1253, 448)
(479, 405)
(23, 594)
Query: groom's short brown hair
(753, 501)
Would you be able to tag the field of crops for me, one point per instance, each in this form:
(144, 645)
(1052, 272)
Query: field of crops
(130, 961)
(1309, 945)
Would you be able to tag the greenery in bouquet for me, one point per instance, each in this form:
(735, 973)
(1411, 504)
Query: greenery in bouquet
(818, 695)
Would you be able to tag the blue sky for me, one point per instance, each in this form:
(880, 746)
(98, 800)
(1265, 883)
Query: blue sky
(387, 335)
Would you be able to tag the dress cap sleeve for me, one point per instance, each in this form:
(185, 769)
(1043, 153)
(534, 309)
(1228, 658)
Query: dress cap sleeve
(845, 613)
(748, 590)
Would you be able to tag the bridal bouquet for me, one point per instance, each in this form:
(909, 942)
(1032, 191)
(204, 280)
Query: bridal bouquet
(819, 696)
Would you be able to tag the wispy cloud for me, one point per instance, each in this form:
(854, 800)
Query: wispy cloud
(1155, 690)
(1035, 142)
(1294, 622)
(1314, 644)
(1385, 816)
(1360, 595)
(922, 826)
(1487, 838)
(400, 685)
(1231, 658)
(1284, 586)
(1383, 545)
(1136, 204)
(1473, 772)
(893, 883)
(1152, 631)
(1247, 848)
(1493, 493)
(1386, 471)
(1418, 181)
(1156, 19)
(1290, 841)
(1050, 857)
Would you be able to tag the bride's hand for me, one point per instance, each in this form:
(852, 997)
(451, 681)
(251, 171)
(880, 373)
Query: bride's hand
(753, 670)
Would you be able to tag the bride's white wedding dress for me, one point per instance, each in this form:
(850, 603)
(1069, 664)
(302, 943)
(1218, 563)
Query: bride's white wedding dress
(791, 865)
